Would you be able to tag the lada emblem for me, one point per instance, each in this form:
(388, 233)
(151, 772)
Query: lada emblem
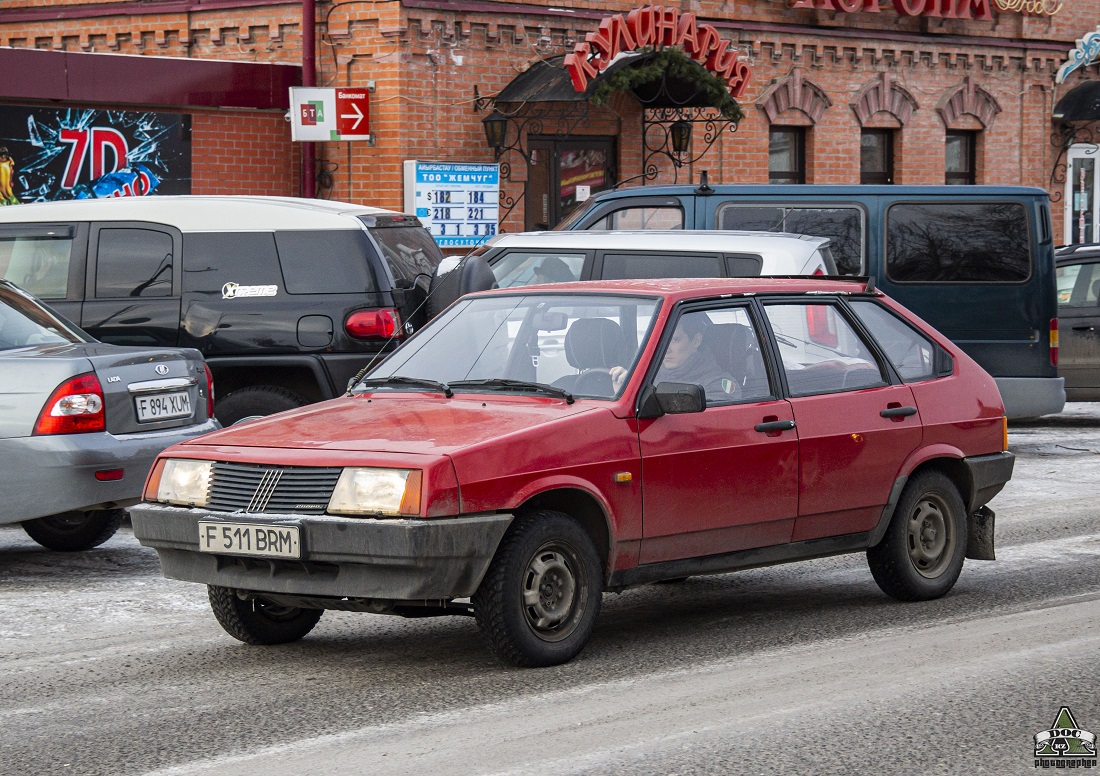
(161, 369)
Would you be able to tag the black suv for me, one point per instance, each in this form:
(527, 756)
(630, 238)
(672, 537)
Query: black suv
(286, 298)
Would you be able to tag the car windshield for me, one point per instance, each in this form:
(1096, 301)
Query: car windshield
(24, 322)
(555, 344)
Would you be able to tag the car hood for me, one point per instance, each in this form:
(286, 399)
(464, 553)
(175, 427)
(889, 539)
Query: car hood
(399, 423)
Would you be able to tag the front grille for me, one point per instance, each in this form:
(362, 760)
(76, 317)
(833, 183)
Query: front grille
(303, 490)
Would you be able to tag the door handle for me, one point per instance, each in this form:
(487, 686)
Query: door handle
(775, 425)
(1083, 328)
(898, 412)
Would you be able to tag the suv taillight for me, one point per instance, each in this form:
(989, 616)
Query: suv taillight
(1054, 342)
(373, 324)
(75, 407)
(209, 391)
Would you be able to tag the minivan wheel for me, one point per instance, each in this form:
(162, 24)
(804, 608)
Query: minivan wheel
(76, 530)
(255, 621)
(921, 555)
(255, 401)
(540, 598)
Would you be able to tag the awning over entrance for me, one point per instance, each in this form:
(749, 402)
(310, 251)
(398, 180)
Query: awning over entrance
(1081, 103)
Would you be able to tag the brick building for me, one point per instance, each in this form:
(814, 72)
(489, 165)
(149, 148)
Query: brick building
(837, 91)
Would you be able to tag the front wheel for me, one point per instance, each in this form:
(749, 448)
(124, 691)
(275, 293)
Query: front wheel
(77, 530)
(921, 555)
(255, 621)
(539, 600)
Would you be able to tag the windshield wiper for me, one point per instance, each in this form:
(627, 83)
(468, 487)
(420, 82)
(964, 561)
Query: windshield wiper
(500, 382)
(421, 382)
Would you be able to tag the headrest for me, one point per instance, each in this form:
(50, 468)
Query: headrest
(595, 342)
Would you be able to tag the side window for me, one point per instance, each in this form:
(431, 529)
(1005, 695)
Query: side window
(911, 353)
(217, 258)
(821, 352)
(40, 265)
(843, 225)
(744, 265)
(622, 266)
(133, 262)
(528, 268)
(636, 218)
(958, 242)
(1065, 277)
(1083, 285)
(330, 261)
(718, 349)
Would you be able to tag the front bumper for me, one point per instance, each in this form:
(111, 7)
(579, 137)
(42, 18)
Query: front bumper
(48, 475)
(414, 559)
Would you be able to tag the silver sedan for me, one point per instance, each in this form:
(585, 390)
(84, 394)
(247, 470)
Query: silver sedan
(81, 422)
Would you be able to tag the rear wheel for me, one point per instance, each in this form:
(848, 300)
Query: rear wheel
(254, 621)
(254, 402)
(540, 598)
(77, 530)
(921, 555)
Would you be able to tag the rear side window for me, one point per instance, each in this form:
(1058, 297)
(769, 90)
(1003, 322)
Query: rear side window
(844, 225)
(409, 252)
(328, 261)
(641, 218)
(38, 264)
(526, 268)
(958, 242)
(621, 266)
(1078, 285)
(214, 259)
(133, 262)
(911, 353)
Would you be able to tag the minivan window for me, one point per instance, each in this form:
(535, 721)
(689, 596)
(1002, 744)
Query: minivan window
(639, 218)
(133, 262)
(622, 266)
(958, 242)
(844, 225)
(325, 261)
(409, 251)
(39, 265)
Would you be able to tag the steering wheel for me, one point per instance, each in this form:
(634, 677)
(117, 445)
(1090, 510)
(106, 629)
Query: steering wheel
(596, 380)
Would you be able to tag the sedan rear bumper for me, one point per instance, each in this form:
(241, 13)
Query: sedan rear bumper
(48, 475)
(414, 559)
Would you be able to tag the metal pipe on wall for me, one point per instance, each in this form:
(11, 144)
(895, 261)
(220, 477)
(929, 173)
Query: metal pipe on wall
(309, 78)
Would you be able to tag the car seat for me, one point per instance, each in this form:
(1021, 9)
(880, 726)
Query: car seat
(736, 350)
(593, 343)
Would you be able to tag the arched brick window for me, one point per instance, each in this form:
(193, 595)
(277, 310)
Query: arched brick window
(792, 106)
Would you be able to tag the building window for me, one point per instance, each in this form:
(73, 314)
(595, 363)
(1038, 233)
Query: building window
(787, 155)
(876, 156)
(961, 147)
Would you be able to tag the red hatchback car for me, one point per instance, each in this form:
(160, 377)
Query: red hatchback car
(529, 450)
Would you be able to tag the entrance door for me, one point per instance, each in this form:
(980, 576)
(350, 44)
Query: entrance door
(557, 169)
(1082, 205)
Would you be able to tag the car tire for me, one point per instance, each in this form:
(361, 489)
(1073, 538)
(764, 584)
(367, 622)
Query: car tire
(254, 402)
(256, 622)
(540, 598)
(77, 530)
(921, 554)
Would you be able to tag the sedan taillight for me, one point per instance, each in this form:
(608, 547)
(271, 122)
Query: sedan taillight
(75, 407)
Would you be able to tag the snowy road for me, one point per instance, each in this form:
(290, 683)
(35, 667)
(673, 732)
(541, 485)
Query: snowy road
(106, 668)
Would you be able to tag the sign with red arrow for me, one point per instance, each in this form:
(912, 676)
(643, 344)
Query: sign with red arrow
(353, 114)
(319, 115)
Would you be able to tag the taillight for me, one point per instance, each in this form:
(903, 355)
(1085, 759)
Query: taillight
(209, 391)
(819, 271)
(75, 407)
(820, 326)
(373, 324)
(1054, 342)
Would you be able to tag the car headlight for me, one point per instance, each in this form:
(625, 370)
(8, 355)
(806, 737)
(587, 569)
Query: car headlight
(184, 482)
(363, 491)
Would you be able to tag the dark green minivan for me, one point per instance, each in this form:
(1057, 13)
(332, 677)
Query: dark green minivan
(976, 262)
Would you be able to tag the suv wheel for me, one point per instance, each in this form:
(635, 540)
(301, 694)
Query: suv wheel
(921, 555)
(77, 530)
(255, 401)
(539, 600)
(254, 621)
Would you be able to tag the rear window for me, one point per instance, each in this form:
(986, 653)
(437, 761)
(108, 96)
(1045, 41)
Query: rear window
(958, 242)
(622, 266)
(326, 261)
(23, 323)
(409, 252)
(843, 225)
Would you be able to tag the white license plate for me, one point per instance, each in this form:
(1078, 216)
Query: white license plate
(268, 541)
(163, 406)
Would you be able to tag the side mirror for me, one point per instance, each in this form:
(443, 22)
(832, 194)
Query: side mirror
(672, 399)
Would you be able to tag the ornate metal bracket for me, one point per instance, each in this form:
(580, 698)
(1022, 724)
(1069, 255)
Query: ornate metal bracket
(1063, 138)
(657, 137)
